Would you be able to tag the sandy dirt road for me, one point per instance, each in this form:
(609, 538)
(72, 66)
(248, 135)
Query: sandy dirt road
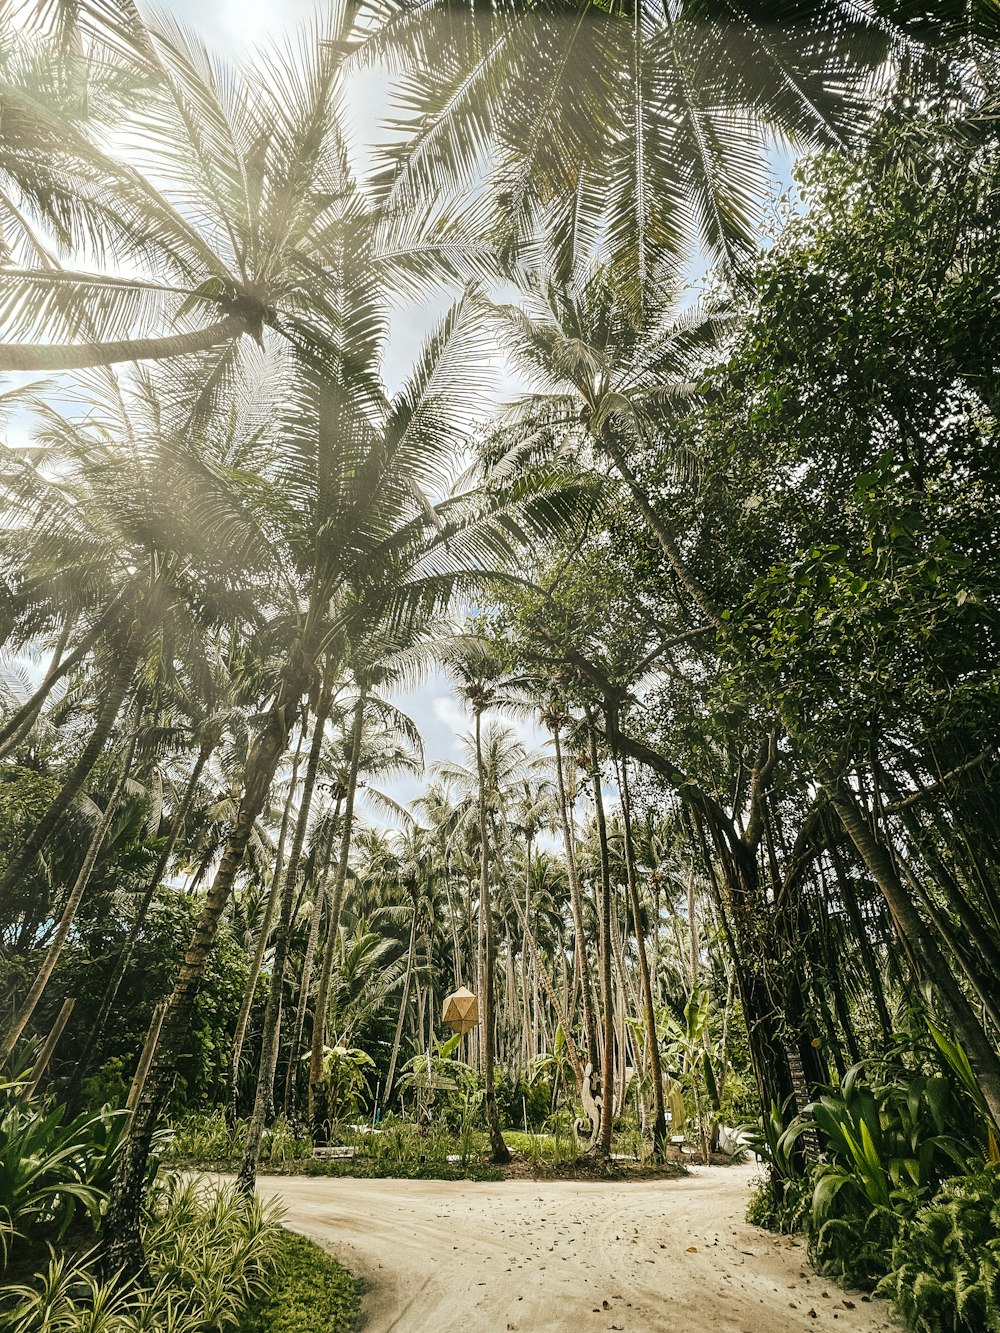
(536, 1257)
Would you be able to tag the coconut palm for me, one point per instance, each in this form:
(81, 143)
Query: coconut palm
(102, 522)
(650, 123)
(246, 200)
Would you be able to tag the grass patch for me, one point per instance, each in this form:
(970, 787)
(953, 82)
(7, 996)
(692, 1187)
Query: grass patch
(312, 1293)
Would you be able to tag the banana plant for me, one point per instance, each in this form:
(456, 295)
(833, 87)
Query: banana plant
(689, 1044)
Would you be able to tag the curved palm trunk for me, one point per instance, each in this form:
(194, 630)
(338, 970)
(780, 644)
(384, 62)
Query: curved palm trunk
(263, 1098)
(22, 719)
(54, 357)
(263, 938)
(120, 1241)
(52, 954)
(81, 770)
(500, 1151)
(606, 946)
(138, 920)
(20, 722)
(333, 925)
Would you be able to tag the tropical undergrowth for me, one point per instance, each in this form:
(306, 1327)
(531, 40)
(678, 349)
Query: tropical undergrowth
(215, 1259)
(55, 1170)
(893, 1175)
(399, 1147)
(211, 1254)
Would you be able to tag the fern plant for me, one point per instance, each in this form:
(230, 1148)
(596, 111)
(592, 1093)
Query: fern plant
(945, 1275)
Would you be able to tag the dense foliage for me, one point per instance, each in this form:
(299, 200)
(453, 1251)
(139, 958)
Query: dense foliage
(732, 551)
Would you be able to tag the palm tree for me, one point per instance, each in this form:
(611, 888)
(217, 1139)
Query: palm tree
(111, 537)
(252, 201)
(497, 765)
(649, 124)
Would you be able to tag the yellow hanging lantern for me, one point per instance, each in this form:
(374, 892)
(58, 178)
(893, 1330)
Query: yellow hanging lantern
(461, 1010)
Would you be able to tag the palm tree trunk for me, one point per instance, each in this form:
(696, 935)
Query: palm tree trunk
(55, 357)
(576, 902)
(53, 952)
(106, 718)
(120, 1241)
(263, 939)
(247, 1179)
(500, 1151)
(21, 721)
(305, 980)
(333, 924)
(398, 1034)
(607, 995)
(645, 981)
(558, 1008)
(135, 928)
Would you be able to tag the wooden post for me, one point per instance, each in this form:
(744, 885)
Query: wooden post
(51, 1041)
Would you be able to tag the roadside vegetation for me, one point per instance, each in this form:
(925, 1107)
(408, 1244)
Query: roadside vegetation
(683, 511)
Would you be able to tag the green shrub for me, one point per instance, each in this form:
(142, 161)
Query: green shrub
(208, 1138)
(51, 1171)
(312, 1294)
(518, 1097)
(779, 1203)
(945, 1264)
(210, 1252)
(345, 1081)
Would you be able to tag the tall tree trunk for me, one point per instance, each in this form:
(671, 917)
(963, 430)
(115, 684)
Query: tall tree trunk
(110, 995)
(56, 945)
(645, 982)
(333, 923)
(607, 994)
(849, 897)
(55, 357)
(120, 1240)
(558, 1008)
(247, 1179)
(263, 939)
(500, 1151)
(305, 980)
(397, 1038)
(107, 715)
(576, 901)
(916, 939)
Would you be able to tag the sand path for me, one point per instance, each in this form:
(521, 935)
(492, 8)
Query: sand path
(534, 1256)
